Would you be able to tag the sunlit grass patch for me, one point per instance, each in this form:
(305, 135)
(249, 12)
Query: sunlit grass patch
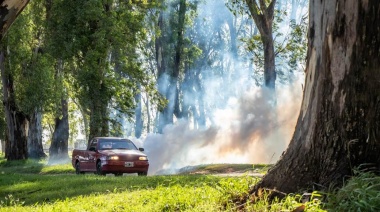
(158, 193)
(31, 185)
(173, 198)
(58, 169)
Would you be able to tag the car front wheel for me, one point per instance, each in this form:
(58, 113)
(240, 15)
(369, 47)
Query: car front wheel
(99, 170)
(77, 168)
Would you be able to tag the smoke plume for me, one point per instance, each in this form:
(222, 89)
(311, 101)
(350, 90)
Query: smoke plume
(251, 129)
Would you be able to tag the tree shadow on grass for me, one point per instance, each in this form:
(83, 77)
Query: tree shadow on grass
(43, 188)
(21, 166)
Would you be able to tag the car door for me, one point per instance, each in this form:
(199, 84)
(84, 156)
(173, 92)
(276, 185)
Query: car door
(87, 160)
(91, 157)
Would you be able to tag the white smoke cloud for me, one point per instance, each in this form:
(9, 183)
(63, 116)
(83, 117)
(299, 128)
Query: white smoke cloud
(246, 125)
(251, 129)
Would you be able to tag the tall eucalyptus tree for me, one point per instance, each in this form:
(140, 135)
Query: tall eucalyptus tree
(27, 81)
(169, 49)
(338, 126)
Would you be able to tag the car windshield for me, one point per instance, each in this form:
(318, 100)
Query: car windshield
(116, 144)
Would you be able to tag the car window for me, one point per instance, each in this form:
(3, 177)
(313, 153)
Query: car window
(106, 145)
(93, 143)
(116, 144)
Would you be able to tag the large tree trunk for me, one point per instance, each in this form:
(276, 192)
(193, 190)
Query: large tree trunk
(162, 84)
(148, 116)
(9, 10)
(139, 122)
(269, 60)
(35, 148)
(178, 59)
(58, 151)
(338, 127)
(2, 142)
(263, 16)
(168, 84)
(98, 115)
(17, 123)
(85, 119)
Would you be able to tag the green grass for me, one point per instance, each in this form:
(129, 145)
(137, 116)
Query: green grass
(34, 186)
(361, 193)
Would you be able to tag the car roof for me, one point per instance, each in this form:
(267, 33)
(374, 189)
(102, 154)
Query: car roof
(113, 138)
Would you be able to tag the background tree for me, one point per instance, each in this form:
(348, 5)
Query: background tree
(27, 81)
(263, 15)
(338, 126)
(98, 41)
(173, 21)
(16, 142)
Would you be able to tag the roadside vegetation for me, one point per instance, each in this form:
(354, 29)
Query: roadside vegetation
(34, 186)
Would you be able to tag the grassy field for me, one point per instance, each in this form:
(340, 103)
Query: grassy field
(34, 186)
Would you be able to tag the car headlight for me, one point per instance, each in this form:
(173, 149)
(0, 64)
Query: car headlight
(114, 157)
(143, 158)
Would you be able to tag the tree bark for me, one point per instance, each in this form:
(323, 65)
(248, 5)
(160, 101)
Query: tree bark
(161, 61)
(2, 142)
(139, 122)
(174, 88)
(98, 117)
(9, 10)
(85, 119)
(263, 16)
(17, 122)
(58, 151)
(338, 128)
(35, 148)
(169, 87)
(148, 115)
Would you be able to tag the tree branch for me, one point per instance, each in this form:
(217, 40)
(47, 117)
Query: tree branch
(9, 10)
(270, 10)
(263, 6)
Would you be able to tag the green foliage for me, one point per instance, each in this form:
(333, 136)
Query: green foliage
(290, 43)
(98, 41)
(290, 203)
(30, 68)
(10, 201)
(360, 193)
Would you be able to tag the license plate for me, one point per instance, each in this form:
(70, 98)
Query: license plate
(128, 164)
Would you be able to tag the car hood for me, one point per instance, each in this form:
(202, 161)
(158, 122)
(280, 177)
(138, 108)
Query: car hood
(121, 152)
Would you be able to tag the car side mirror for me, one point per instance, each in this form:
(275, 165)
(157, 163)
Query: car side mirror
(92, 149)
(141, 149)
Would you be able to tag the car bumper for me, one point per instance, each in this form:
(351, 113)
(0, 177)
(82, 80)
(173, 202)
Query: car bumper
(120, 166)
